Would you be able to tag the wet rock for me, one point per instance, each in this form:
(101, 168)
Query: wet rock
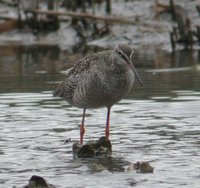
(101, 147)
(101, 151)
(84, 151)
(38, 182)
(141, 167)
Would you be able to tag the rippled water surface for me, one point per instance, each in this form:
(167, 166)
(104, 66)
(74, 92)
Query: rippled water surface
(158, 123)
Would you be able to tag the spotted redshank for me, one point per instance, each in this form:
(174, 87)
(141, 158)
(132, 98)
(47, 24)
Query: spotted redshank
(99, 80)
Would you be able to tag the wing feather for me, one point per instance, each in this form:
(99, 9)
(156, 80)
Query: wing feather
(66, 88)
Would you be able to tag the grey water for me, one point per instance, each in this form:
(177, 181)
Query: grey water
(158, 123)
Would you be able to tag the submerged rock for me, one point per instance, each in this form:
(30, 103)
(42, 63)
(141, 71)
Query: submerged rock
(101, 151)
(38, 182)
(101, 147)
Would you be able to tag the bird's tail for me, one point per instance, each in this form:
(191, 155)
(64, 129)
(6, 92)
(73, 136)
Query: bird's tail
(59, 91)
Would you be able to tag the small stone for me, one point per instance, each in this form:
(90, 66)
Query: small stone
(67, 140)
(141, 167)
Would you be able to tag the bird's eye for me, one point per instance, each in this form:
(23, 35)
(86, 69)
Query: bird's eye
(120, 53)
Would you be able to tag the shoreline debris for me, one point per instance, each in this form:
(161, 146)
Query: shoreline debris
(183, 33)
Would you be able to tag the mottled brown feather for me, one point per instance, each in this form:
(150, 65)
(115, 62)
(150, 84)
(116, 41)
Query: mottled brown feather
(66, 87)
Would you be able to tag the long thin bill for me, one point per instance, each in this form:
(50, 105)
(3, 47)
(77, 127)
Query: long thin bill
(136, 74)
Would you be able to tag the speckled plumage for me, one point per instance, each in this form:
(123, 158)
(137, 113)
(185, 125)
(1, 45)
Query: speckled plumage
(95, 81)
(99, 80)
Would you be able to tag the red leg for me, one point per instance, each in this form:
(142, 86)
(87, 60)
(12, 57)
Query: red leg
(82, 129)
(108, 123)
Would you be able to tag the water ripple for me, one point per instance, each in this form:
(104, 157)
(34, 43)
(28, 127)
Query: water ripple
(164, 130)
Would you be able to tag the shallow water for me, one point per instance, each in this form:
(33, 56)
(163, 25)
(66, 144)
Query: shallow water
(158, 123)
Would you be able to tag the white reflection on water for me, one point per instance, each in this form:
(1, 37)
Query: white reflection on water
(164, 130)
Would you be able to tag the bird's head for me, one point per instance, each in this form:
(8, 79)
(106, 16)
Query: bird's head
(122, 55)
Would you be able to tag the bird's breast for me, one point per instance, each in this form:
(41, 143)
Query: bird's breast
(102, 89)
(119, 84)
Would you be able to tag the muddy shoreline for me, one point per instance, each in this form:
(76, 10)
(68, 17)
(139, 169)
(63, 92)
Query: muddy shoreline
(152, 30)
